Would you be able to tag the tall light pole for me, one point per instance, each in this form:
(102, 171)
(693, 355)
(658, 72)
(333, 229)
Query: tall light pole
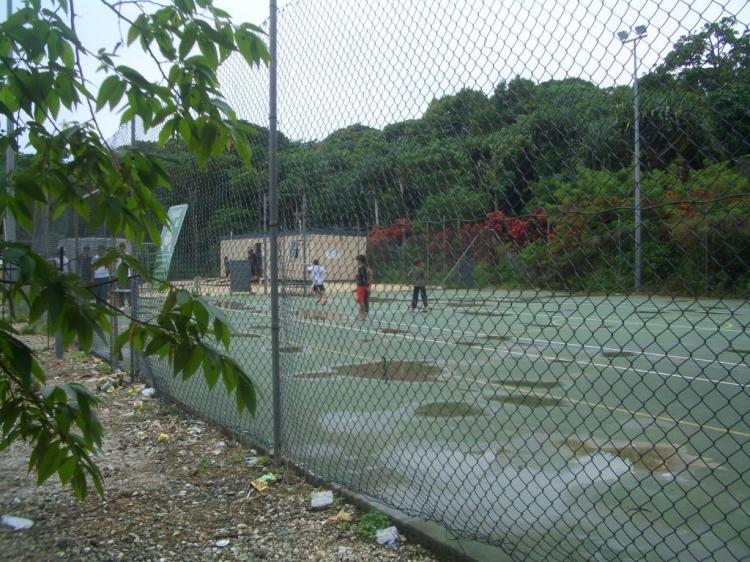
(640, 33)
(9, 221)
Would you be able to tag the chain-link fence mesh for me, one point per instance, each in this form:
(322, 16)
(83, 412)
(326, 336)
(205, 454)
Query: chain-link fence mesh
(502, 309)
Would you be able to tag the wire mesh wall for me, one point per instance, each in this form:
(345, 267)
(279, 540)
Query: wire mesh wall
(514, 286)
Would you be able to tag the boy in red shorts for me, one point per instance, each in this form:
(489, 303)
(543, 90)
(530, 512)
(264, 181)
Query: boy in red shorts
(363, 279)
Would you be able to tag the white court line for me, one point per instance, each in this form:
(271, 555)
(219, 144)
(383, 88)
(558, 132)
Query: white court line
(573, 402)
(566, 344)
(681, 358)
(716, 328)
(533, 355)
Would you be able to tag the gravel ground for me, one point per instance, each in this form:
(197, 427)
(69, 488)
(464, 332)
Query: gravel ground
(180, 497)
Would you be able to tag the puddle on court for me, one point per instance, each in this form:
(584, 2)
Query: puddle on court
(321, 315)
(500, 338)
(664, 458)
(611, 353)
(483, 313)
(394, 331)
(401, 371)
(246, 335)
(529, 400)
(527, 384)
(448, 410)
(231, 305)
(291, 349)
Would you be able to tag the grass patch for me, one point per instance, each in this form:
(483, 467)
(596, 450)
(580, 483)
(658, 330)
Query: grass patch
(448, 410)
(370, 523)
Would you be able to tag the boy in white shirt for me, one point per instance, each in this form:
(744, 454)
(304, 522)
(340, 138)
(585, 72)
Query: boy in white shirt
(318, 272)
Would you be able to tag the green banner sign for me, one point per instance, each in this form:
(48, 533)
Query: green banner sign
(169, 235)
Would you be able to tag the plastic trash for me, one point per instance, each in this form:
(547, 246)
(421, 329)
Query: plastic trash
(388, 537)
(222, 543)
(148, 392)
(162, 438)
(16, 523)
(321, 500)
(263, 482)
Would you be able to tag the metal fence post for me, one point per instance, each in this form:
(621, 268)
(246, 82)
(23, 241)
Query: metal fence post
(274, 228)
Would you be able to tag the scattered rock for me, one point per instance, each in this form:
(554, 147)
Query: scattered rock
(16, 523)
(321, 500)
(387, 537)
(222, 543)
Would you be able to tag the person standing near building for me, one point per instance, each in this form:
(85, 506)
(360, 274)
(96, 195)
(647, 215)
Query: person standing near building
(226, 267)
(420, 283)
(318, 272)
(123, 294)
(251, 267)
(84, 267)
(101, 277)
(363, 279)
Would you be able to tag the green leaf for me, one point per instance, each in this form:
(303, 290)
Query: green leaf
(134, 32)
(245, 395)
(187, 42)
(106, 90)
(122, 275)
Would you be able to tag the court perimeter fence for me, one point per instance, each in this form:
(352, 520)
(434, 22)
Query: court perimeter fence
(570, 182)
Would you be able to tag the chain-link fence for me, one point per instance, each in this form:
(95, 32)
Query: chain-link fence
(514, 261)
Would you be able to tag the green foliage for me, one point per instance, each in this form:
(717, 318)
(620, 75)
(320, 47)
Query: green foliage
(370, 523)
(41, 74)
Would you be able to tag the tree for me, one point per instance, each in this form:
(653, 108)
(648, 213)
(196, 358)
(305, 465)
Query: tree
(73, 169)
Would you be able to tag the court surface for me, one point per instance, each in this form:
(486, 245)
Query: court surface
(595, 427)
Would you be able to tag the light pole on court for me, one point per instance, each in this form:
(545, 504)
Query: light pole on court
(624, 37)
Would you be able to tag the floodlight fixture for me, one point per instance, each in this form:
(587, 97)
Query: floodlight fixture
(622, 35)
(640, 30)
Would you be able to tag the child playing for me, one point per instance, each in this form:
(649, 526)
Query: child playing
(420, 282)
(364, 280)
(318, 273)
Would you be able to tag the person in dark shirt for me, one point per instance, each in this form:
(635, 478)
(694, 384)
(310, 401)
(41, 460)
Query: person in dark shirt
(257, 265)
(251, 265)
(363, 279)
(420, 282)
(226, 267)
(84, 267)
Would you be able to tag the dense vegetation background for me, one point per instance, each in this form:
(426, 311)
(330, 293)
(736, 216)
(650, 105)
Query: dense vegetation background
(532, 185)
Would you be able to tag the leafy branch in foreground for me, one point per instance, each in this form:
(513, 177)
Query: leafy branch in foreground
(73, 168)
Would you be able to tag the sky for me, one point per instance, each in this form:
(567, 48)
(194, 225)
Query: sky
(379, 61)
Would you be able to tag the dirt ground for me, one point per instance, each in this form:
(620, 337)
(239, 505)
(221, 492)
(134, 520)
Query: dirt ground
(176, 490)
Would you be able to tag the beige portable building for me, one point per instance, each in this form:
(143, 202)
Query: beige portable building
(335, 249)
